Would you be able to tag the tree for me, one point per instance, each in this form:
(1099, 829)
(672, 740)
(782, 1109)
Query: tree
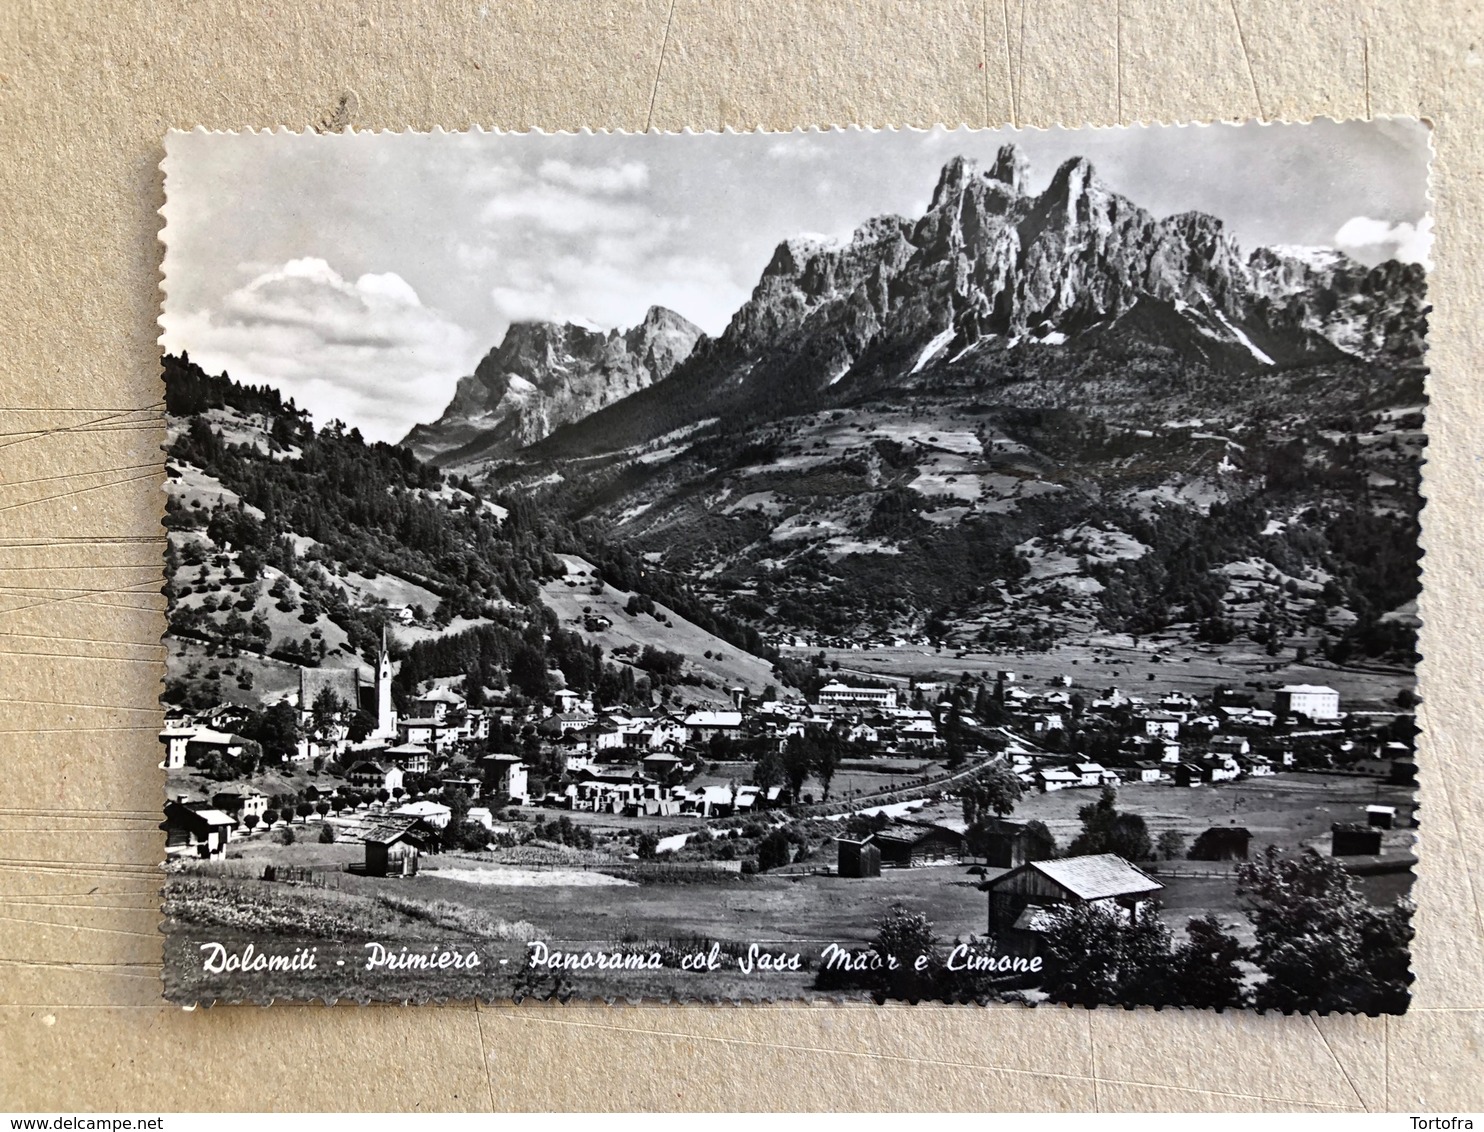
(384, 795)
(1040, 843)
(767, 772)
(456, 798)
(528, 672)
(326, 712)
(304, 809)
(798, 761)
(647, 846)
(826, 759)
(322, 807)
(276, 730)
(1098, 953)
(994, 790)
(1171, 845)
(774, 851)
(1322, 945)
(270, 818)
(250, 821)
(1105, 830)
(358, 726)
(903, 938)
(1204, 970)
(953, 738)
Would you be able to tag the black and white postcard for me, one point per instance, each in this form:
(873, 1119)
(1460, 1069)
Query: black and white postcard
(946, 566)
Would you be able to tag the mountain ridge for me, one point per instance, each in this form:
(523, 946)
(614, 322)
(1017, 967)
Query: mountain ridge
(545, 374)
(990, 261)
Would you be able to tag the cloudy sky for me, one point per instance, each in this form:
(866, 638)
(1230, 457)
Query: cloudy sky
(364, 274)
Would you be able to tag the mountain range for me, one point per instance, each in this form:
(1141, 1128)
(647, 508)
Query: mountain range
(1019, 417)
(989, 266)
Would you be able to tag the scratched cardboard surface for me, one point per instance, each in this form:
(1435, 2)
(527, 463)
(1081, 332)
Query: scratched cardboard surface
(85, 98)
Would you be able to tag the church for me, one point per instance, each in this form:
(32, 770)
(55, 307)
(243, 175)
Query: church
(374, 697)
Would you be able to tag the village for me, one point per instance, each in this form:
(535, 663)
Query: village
(863, 780)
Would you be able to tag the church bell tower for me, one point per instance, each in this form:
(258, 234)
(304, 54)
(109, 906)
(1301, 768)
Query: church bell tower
(386, 720)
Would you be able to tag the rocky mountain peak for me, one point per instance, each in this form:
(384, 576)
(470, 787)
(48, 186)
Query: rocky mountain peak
(545, 374)
(1077, 266)
(1011, 167)
(953, 178)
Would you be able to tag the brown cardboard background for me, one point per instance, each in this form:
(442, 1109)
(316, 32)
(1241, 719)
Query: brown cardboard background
(87, 91)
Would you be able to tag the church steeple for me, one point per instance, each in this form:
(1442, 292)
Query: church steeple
(386, 719)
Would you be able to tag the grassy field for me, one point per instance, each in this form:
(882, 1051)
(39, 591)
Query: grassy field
(1287, 810)
(852, 779)
(459, 901)
(1154, 668)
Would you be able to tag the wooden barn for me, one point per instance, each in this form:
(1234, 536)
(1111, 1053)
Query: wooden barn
(1354, 839)
(393, 847)
(908, 846)
(1403, 772)
(1005, 844)
(859, 858)
(1020, 900)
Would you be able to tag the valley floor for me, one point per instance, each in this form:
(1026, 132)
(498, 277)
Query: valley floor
(598, 902)
(1115, 661)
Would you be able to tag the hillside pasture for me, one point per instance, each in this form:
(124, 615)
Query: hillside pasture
(579, 595)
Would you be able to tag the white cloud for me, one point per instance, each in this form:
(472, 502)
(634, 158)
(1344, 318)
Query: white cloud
(622, 177)
(615, 289)
(1372, 241)
(562, 211)
(367, 351)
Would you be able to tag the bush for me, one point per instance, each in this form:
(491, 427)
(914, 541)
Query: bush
(327, 834)
(286, 836)
(774, 851)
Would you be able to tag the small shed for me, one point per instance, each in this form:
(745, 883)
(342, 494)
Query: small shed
(859, 859)
(1004, 844)
(393, 848)
(1189, 775)
(1403, 772)
(1354, 839)
(1382, 817)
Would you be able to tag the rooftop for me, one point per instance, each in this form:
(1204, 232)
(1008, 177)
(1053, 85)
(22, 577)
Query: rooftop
(1098, 876)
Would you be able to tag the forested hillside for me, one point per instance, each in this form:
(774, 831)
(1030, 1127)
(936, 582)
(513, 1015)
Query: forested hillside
(294, 546)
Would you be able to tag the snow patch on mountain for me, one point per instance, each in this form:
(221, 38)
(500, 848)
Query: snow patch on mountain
(933, 349)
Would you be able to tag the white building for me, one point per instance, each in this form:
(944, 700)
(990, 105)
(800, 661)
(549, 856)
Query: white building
(843, 695)
(703, 725)
(436, 814)
(1312, 700)
(176, 738)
